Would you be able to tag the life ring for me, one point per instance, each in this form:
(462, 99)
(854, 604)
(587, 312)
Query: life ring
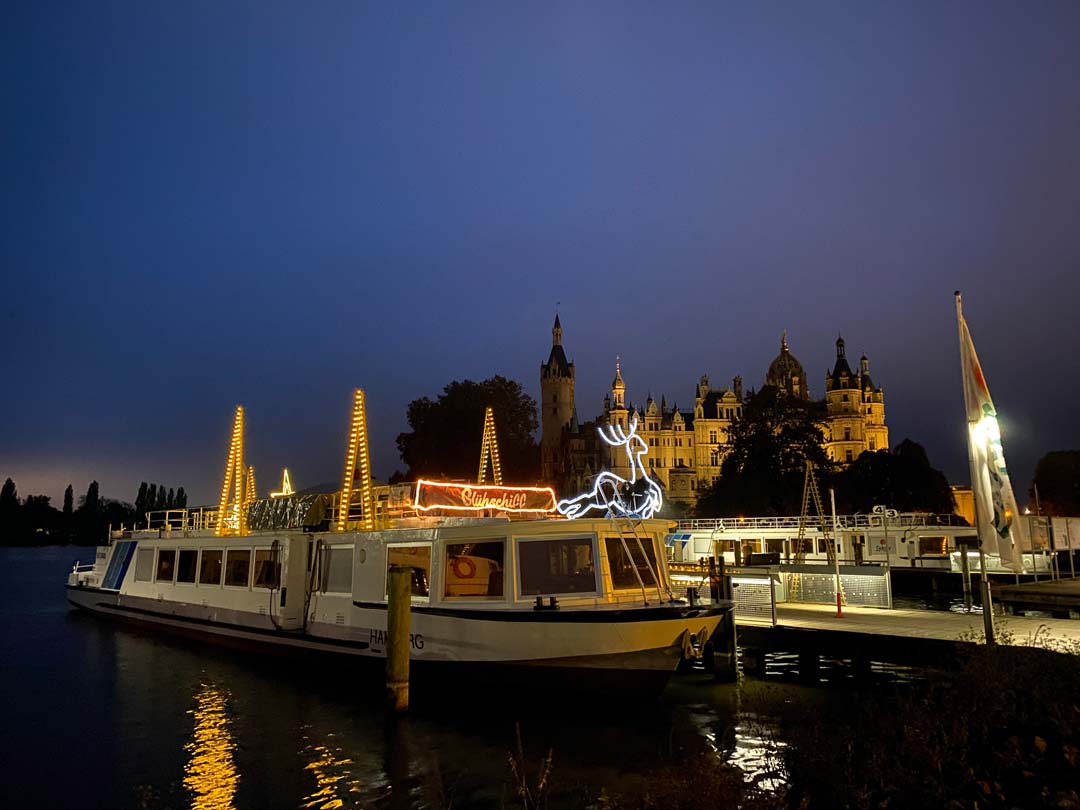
(463, 567)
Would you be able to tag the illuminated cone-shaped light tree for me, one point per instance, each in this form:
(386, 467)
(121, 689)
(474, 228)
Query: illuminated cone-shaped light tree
(357, 470)
(286, 485)
(249, 490)
(489, 449)
(231, 513)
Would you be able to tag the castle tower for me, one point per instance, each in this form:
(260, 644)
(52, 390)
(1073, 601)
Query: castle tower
(556, 405)
(617, 413)
(855, 410)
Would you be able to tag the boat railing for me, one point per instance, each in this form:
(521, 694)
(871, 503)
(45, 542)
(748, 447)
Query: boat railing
(171, 520)
(856, 521)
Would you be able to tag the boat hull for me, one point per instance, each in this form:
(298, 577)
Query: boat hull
(619, 650)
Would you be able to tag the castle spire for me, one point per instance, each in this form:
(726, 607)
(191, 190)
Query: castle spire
(556, 332)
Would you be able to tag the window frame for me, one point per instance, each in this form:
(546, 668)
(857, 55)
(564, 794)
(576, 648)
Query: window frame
(446, 567)
(141, 553)
(157, 566)
(274, 559)
(431, 586)
(324, 573)
(632, 545)
(596, 593)
(225, 568)
(176, 576)
(221, 569)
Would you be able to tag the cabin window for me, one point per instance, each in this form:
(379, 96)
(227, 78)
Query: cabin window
(932, 546)
(475, 570)
(774, 545)
(267, 569)
(185, 565)
(237, 567)
(622, 566)
(338, 572)
(210, 567)
(557, 566)
(166, 565)
(806, 546)
(418, 558)
(144, 565)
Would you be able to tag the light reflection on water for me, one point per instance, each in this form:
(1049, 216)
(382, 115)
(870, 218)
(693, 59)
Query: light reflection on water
(211, 775)
(335, 784)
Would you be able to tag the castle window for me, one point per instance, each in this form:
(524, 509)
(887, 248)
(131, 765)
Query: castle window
(712, 437)
(554, 397)
(693, 484)
(847, 455)
(847, 434)
(873, 443)
(555, 411)
(689, 442)
(845, 398)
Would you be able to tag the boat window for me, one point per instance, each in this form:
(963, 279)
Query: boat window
(933, 546)
(338, 570)
(418, 558)
(144, 565)
(622, 567)
(267, 569)
(475, 569)
(237, 567)
(556, 566)
(210, 567)
(166, 565)
(185, 565)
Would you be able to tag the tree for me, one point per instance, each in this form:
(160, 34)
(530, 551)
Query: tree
(181, 499)
(446, 433)
(902, 480)
(1057, 478)
(140, 500)
(764, 468)
(170, 499)
(151, 499)
(69, 498)
(9, 496)
(162, 498)
(91, 504)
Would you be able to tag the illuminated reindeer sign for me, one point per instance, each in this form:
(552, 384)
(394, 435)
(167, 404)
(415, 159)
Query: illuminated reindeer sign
(638, 497)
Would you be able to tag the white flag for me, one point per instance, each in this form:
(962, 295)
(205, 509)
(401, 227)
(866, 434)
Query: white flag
(996, 515)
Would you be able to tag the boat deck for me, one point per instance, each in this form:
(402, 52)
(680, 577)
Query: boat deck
(1057, 596)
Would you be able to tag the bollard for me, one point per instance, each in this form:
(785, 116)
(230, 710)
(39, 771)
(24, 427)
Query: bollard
(399, 603)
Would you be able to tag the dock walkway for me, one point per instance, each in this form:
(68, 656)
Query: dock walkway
(1057, 596)
(894, 636)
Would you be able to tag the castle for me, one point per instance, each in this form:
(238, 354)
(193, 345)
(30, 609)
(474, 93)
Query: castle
(687, 447)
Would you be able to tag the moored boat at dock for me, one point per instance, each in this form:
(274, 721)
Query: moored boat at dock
(588, 601)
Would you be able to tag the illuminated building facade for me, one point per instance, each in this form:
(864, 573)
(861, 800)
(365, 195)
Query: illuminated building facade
(855, 411)
(687, 447)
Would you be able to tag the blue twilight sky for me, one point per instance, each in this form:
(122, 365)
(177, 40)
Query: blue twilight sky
(271, 203)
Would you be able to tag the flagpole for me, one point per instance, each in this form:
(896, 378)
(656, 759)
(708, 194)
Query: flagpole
(984, 583)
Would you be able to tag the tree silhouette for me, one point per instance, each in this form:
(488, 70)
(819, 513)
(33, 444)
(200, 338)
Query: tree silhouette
(170, 499)
(1057, 476)
(181, 499)
(140, 501)
(91, 504)
(69, 498)
(764, 469)
(162, 498)
(901, 480)
(151, 499)
(446, 433)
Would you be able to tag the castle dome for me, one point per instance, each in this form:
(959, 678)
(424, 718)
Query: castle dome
(786, 372)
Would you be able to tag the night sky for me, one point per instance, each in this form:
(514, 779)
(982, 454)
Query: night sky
(271, 203)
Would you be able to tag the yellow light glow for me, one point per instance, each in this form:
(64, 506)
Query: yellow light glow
(232, 515)
(249, 489)
(211, 773)
(489, 449)
(286, 485)
(357, 466)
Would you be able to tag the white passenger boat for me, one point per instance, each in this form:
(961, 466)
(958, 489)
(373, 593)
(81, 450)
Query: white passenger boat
(589, 600)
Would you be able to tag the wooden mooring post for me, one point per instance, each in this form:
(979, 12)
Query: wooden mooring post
(399, 603)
